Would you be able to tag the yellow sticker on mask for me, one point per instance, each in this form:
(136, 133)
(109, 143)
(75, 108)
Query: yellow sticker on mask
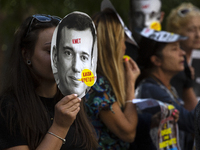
(87, 77)
(155, 26)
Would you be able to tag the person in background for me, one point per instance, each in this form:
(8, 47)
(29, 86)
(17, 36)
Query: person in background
(160, 58)
(197, 126)
(33, 112)
(143, 13)
(113, 118)
(185, 20)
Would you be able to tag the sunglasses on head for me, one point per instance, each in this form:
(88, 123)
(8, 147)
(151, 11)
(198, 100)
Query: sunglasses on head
(41, 18)
(185, 11)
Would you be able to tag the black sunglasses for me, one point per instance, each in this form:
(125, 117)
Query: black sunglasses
(184, 12)
(41, 18)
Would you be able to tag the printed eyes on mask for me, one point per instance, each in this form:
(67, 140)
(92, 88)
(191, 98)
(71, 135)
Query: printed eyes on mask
(70, 54)
(155, 15)
(138, 14)
(84, 58)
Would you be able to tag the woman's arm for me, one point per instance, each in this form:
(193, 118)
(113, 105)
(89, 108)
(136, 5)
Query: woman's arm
(65, 114)
(122, 124)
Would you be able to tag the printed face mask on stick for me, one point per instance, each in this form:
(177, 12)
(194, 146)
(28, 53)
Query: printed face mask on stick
(74, 54)
(146, 13)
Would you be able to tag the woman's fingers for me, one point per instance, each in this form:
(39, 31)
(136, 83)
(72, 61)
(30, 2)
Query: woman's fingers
(126, 63)
(68, 103)
(131, 68)
(176, 114)
(67, 98)
(132, 65)
(72, 107)
(66, 110)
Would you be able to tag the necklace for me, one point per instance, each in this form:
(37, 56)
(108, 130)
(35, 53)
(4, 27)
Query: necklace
(171, 91)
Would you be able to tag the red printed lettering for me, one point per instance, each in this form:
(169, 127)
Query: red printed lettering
(147, 30)
(145, 6)
(87, 74)
(76, 41)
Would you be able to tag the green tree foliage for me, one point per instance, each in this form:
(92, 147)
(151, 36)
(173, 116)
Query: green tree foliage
(168, 5)
(13, 12)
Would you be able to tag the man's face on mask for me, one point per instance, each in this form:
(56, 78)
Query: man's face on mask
(75, 50)
(145, 12)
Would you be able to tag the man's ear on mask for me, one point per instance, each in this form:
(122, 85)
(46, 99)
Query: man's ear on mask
(54, 56)
(162, 14)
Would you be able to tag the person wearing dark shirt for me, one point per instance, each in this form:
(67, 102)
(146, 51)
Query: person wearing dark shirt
(160, 58)
(33, 112)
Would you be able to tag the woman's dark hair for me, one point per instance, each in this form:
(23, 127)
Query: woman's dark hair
(25, 110)
(147, 49)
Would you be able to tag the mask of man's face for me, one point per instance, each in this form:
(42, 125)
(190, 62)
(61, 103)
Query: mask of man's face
(145, 12)
(74, 56)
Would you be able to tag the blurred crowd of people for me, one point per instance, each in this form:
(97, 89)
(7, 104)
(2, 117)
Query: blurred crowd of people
(162, 65)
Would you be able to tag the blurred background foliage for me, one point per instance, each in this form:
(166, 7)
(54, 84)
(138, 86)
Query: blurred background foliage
(13, 12)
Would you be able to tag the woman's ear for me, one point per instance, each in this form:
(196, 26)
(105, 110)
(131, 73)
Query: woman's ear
(26, 56)
(155, 60)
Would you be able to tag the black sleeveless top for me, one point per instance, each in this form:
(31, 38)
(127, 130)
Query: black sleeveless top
(7, 140)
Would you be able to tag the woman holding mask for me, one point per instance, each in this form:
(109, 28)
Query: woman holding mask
(114, 120)
(34, 114)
